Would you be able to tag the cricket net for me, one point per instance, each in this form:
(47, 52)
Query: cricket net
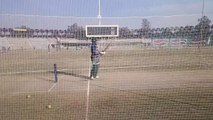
(155, 69)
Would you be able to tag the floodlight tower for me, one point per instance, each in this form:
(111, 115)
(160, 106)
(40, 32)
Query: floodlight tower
(202, 23)
(203, 8)
(99, 12)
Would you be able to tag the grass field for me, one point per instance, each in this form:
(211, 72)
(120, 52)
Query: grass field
(134, 84)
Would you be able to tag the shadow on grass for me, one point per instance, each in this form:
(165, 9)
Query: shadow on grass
(46, 79)
(73, 74)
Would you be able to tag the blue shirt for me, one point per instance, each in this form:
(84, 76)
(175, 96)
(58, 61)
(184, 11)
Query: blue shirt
(95, 54)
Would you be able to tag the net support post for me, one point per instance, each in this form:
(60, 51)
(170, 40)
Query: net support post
(55, 73)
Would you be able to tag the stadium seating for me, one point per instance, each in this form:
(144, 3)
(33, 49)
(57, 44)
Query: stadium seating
(39, 43)
(4, 43)
(19, 43)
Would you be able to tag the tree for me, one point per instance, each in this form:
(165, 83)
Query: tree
(135, 33)
(162, 31)
(73, 27)
(158, 30)
(47, 33)
(31, 32)
(203, 28)
(42, 32)
(1, 32)
(75, 31)
(61, 32)
(37, 32)
(55, 33)
(65, 33)
(188, 31)
(145, 25)
(145, 28)
(152, 33)
(180, 32)
(211, 30)
(4, 31)
(51, 33)
(167, 33)
(10, 32)
(124, 32)
(80, 33)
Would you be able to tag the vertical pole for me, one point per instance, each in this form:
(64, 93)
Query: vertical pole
(99, 12)
(203, 9)
(202, 23)
(55, 73)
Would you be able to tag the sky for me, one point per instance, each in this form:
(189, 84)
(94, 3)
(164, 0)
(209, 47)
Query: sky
(59, 14)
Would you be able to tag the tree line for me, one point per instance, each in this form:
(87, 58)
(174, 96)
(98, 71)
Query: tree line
(202, 30)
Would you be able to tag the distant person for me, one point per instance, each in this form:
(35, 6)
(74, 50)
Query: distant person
(48, 47)
(58, 44)
(95, 58)
(8, 49)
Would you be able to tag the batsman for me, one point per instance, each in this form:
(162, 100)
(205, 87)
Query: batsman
(95, 59)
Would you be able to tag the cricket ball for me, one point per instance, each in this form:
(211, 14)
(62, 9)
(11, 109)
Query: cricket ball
(49, 106)
(28, 96)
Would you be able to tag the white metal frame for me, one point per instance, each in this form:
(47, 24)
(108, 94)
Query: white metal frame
(89, 36)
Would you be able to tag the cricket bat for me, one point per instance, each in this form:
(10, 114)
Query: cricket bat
(106, 47)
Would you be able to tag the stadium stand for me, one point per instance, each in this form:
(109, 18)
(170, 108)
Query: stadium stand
(19, 43)
(39, 43)
(52, 40)
(4, 43)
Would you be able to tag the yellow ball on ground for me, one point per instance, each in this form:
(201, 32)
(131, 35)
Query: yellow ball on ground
(28, 96)
(49, 106)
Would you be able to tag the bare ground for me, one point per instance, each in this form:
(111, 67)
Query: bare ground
(133, 85)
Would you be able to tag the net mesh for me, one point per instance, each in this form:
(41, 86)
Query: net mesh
(154, 69)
